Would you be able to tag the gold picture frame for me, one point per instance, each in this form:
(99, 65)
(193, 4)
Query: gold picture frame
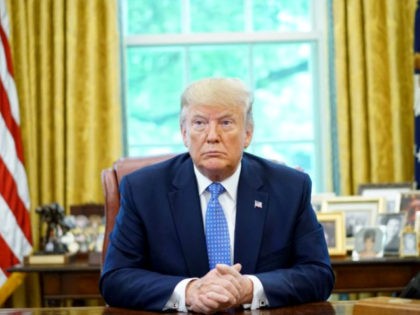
(358, 212)
(333, 225)
(409, 244)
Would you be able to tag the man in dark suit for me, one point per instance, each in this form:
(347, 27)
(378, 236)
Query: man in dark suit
(158, 256)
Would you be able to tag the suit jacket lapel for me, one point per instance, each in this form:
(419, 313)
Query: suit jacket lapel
(186, 210)
(251, 211)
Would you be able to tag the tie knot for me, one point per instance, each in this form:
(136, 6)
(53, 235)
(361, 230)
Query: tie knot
(215, 189)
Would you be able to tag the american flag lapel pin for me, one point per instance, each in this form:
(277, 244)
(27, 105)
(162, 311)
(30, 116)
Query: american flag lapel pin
(257, 204)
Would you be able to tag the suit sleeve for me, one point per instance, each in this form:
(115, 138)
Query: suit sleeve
(309, 277)
(127, 279)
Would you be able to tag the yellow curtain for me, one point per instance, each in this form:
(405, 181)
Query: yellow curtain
(374, 73)
(66, 60)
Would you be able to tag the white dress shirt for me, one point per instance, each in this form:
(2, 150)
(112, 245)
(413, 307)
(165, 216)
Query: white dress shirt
(228, 202)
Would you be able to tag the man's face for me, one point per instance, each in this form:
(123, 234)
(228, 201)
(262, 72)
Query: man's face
(216, 136)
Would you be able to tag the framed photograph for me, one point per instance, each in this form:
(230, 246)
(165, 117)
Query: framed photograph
(369, 243)
(389, 191)
(393, 225)
(409, 244)
(358, 212)
(333, 224)
(87, 227)
(409, 203)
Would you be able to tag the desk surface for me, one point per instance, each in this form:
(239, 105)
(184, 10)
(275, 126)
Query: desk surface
(323, 308)
(79, 280)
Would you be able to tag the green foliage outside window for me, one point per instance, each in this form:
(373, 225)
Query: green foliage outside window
(281, 73)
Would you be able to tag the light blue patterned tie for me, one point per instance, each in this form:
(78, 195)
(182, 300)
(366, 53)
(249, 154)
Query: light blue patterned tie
(217, 233)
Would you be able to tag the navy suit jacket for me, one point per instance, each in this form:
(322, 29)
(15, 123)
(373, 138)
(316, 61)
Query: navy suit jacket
(159, 239)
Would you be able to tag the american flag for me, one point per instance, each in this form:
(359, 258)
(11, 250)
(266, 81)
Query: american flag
(417, 97)
(15, 229)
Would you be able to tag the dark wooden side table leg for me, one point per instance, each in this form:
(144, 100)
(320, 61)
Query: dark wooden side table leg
(41, 287)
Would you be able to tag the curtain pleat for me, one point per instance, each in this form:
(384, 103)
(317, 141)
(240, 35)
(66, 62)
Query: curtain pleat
(374, 73)
(93, 132)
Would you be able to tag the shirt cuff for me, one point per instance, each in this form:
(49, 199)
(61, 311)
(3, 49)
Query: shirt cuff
(259, 299)
(177, 299)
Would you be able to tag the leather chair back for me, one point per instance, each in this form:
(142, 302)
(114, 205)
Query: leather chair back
(111, 179)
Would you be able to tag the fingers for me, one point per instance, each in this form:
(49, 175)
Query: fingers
(241, 282)
(232, 276)
(224, 289)
(201, 305)
(232, 270)
(209, 303)
(217, 290)
(237, 267)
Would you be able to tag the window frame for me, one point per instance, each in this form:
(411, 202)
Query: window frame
(318, 36)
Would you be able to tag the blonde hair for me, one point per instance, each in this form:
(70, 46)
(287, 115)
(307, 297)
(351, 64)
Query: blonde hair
(220, 91)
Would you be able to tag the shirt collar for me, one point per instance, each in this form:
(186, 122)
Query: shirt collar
(230, 183)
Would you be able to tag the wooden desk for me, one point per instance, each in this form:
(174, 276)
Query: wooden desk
(376, 275)
(323, 308)
(80, 280)
(58, 283)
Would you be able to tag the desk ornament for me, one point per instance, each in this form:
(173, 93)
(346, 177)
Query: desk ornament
(52, 231)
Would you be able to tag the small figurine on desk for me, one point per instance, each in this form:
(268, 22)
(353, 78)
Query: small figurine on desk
(53, 216)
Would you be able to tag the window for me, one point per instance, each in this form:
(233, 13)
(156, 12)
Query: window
(276, 47)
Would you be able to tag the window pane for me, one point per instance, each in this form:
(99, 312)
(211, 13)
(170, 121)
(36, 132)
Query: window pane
(300, 154)
(219, 60)
(282, 15)
(216, 16)
(283, 106)
(154, 81)
(282, 73)
(151, 17)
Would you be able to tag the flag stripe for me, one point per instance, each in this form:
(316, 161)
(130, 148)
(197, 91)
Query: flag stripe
(8, 191)
(9, 121)
(15, 167)
(7, 258)
(8, 84)
(4, 19)
(4, 41)
(15, 229)
(11, 232)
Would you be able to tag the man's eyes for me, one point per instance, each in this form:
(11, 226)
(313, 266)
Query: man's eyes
(198, 122)
(227, 122)
(201, 124)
